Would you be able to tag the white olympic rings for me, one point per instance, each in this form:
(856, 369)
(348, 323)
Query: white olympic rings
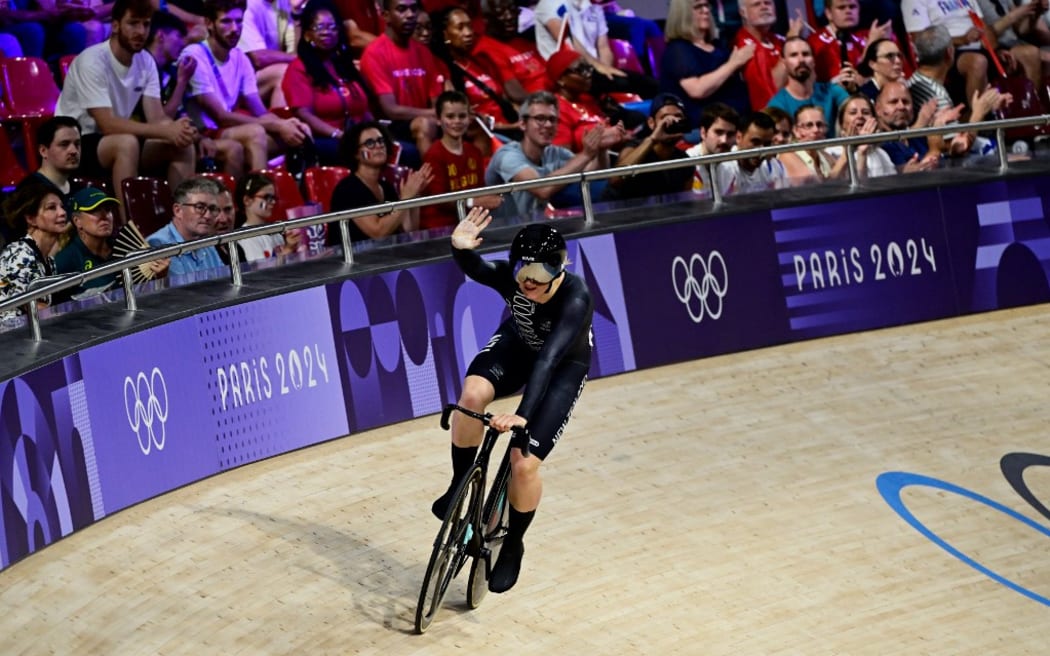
(143, 414)
(708, 289)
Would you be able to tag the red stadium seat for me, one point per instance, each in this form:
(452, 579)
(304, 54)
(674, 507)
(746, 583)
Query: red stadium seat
(288, 194)
(30, 94)
(225, 179)
(63, 66)
(11, 172)
(147, 202)
(320, 182)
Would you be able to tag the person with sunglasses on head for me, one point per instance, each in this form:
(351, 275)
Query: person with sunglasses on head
(194, 215)
(544, 346)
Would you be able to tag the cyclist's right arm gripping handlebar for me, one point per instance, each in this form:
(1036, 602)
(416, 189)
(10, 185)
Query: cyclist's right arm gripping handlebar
(520, 431)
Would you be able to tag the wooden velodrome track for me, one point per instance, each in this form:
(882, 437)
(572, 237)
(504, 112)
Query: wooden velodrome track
(723, 506)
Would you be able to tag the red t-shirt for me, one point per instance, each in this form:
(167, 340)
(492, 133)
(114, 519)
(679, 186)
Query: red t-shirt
(518, 60)
(332, 105)
(488, 74)
(827, 51)
(758, 73)
(451, 173)
(576, 119)
(412, 75)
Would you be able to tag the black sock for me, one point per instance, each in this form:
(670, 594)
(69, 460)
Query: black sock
(518, 524)
(462, 461)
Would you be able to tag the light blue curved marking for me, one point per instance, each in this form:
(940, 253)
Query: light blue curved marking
(890, 485)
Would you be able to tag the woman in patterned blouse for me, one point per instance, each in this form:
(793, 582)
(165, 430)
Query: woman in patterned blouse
(35, 212)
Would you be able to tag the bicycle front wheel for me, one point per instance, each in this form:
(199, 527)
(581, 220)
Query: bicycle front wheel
(494, 522)
(451, 546)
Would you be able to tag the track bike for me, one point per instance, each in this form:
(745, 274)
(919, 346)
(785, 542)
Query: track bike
(474, 525)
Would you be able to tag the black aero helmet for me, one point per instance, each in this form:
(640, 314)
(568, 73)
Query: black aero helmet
(538, 253)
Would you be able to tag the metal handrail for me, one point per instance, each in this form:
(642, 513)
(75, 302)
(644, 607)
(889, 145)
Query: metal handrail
(125, 264)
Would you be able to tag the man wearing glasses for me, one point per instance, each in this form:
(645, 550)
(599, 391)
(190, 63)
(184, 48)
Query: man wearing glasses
(535, 156)
(194, 216)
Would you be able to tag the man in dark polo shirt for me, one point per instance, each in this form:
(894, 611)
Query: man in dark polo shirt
(93, 217)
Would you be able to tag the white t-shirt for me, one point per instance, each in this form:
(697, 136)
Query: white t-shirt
(586, 24)
(953, 14)
(236, 80)
(268, 26)
(876, 161)
(770, 174)
(96, 80)
(261, 247)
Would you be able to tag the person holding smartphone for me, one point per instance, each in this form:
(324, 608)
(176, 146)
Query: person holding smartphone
(667, 123)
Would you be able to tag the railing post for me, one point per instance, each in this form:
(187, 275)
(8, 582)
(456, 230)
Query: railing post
(716, 193)
(130, 302)
(851, 163)
(34, 322)
(461, 209)
(235, 265)
(1000, 137)
(344, 234)
(588, 206)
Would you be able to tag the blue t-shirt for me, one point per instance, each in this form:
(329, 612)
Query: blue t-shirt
(901, 152)
(508, 161)
(826, 95)
(682, 59)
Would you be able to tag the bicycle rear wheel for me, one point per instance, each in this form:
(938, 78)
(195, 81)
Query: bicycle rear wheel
(451, 547)
(494, 520)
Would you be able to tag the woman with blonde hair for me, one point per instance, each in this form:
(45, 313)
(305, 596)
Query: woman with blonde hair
(857, 117)
(695, 68)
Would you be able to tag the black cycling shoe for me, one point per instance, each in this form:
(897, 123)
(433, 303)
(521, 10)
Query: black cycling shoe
(508, 565)
(440, 505)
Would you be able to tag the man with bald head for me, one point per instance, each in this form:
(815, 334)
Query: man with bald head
(894, 111)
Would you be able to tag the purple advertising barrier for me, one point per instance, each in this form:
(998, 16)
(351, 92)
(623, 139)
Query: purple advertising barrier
(48, 479)
(863, 264)
(186, 400)
(999, 235)
(147, 394)
(701, 288)
(271, 375)
(405, 338)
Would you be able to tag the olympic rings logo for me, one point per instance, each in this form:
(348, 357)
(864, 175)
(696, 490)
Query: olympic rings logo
(708, 289)
(146, 405)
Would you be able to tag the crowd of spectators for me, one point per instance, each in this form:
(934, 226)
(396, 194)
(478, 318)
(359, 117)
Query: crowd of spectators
(419, 97)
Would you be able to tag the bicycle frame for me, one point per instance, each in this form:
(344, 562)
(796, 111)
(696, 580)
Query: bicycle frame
(473, 527)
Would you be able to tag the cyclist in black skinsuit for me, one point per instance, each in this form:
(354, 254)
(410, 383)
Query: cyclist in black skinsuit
(544, 345)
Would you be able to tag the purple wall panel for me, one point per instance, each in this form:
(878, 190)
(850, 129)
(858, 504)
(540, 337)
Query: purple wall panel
(701, 288)
(863, 264)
